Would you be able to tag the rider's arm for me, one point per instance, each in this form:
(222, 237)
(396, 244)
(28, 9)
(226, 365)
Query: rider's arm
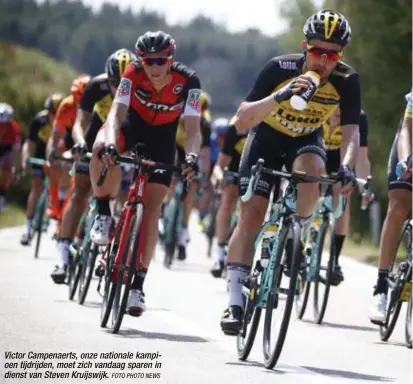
(205, 153)
(226, 154)
(404, 144)
(192, 116)
(120, 106)
(259, 101)
(85, 111)
(350, 107)
(363, 165)
(222, 162)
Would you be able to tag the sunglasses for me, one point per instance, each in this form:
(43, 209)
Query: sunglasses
(318, 53)
(150, 61)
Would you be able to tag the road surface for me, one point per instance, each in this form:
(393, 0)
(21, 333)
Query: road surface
(182, 324)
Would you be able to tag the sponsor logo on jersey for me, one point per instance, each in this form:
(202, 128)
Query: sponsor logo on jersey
(291, 65)
(159, 106)
(194, 99)
(145, 94)
(178, 89)
(124, 88)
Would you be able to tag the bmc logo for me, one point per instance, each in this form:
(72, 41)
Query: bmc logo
(160, 107)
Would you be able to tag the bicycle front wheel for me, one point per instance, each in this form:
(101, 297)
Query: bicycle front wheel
(89, 261)
(408, 325)
(271, 350)
(127, 272)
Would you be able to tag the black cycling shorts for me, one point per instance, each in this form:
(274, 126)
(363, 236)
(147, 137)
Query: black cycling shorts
(37, 170)
(333, 161)
(393, 183)
(159, 142)
(277, 150)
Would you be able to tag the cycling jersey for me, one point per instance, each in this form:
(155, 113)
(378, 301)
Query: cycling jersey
(64, 121)
(10, 137)
(341, 89)
(214, 148)
(332, 139)
(153, 116)
(233, 146)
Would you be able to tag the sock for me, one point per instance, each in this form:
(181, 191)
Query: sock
(338, 245)
(29, 224)
(103, 205)
(381, 286)
(236, 273)
(221, 252)
(64, 250)
(139, 278)
(183, 237)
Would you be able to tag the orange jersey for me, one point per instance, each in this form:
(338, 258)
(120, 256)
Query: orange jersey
(10, 133)
(65, 116)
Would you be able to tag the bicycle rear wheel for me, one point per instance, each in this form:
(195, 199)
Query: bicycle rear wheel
(75, 271)
(272, 352)
(408, 325)
(251, 320)
(40, 212)
(171, 235)
(110, 286)
(119, 307)
(323, 273)
(89, 260)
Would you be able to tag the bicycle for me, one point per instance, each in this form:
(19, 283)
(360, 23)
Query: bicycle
(41, 221)
(262, 288)
(123, 255)
(400, 288)
(319, 272)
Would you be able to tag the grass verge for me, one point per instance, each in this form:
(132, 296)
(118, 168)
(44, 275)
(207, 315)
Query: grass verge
(12, 216)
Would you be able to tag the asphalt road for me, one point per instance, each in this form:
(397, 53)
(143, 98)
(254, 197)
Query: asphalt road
(182, 324)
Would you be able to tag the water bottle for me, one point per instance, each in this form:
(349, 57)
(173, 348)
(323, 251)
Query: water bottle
(301, 100)
(265, 246)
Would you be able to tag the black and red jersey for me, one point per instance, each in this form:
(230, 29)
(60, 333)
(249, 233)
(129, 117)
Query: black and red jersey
(181, 96)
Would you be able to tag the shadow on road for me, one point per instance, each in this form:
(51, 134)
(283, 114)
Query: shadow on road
(343, 326)
(349, 375)
(252, 363)
(136, 334)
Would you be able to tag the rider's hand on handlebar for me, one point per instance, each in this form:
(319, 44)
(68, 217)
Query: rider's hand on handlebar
(348, 180)
(108, 154)
(191, 168)
(78, 151)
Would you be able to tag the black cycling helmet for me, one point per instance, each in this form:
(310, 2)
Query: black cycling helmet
(328, 25)
(155, 42)
(117, 62)
(53, 101)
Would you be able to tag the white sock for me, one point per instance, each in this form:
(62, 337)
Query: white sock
(183, 237)
(236, 277)
(64, 251)
(29, 225)
(221, 253)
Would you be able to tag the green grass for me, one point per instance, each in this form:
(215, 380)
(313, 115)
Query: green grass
(12, 216)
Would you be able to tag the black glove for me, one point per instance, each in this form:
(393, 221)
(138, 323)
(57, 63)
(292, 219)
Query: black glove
(109, 150)
(347, 175)
(191, 160)
(285, 93)
(80, 149)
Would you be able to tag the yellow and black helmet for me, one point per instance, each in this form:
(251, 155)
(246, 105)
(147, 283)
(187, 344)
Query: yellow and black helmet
(53, 101)
(117, 62)
(328, 25)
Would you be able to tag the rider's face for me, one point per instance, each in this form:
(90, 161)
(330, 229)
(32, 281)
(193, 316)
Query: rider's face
(156, 67)
(322, 56)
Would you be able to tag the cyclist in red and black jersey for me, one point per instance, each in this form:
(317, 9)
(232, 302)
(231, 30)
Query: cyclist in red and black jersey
(153, 93)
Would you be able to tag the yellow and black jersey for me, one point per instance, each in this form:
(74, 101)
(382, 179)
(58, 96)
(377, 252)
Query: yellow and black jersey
(97, 98)
(181, 135)
(40, 128)
(234, 142)
(341, 90)
(333, 138)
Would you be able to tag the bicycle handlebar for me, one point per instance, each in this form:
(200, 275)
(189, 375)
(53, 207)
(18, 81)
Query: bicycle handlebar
(149, 165)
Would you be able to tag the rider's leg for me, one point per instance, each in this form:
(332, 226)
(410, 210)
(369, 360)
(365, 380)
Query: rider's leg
(222, 225)
(399, 205)
(6, 164)
(34, 195)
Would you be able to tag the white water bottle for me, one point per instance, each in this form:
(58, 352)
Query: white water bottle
(301, 100)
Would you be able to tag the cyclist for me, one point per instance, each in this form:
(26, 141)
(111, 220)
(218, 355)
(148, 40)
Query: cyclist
(400, 203)
(61, 139)
(10, 144)
(333, 135)
(204, 160)
(40, 131)
(152, 95)
(93, 109)
(229, 156)
(282, 135)
(219, 130)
